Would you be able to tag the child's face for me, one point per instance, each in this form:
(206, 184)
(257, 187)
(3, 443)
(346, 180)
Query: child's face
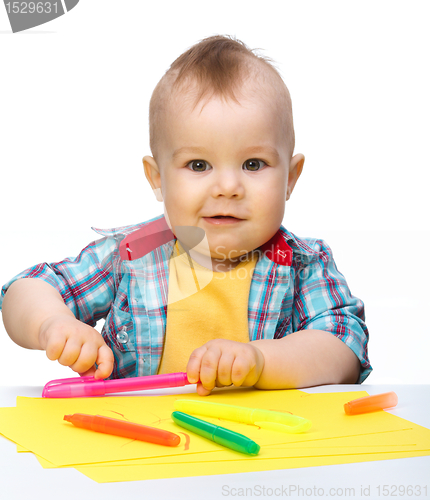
(225, 159)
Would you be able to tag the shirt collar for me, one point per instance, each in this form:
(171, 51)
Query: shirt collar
(145, 237)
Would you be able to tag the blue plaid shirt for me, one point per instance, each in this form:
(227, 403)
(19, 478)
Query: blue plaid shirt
(132, 297)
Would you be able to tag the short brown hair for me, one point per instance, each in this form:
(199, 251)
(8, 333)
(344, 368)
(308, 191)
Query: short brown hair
(218, 66)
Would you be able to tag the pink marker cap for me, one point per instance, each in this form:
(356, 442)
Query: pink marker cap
(74, 388)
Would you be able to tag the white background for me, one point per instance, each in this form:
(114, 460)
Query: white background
(74, 97)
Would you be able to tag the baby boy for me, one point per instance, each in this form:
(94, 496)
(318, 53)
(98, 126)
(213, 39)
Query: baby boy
(226, 293)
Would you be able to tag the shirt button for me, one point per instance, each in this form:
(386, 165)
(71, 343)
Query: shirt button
(122, 336)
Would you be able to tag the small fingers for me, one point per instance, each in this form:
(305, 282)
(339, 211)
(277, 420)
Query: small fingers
(86, 358)
(225, 364)
(71, 353)
(247, 368)
(242, 366)
(105, 360)
(55, 345)
(202, 367)
(201, 391)
(193, 365)
(92, 354)
(209, 367)
(89, 373)
(222, 363)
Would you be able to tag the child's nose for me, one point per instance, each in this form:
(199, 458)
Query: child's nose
(228, 184)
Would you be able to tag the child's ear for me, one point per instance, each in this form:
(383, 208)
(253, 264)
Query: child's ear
(152, 173)
(296, 167)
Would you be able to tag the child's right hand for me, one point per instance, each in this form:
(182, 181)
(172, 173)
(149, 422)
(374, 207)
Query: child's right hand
(76, 345)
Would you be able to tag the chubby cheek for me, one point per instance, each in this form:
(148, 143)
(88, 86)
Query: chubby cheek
(180, 204)
(270, 216)
(276, 206)
(176, 186)
(271, 200)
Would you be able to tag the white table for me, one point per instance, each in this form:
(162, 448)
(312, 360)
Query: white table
(22, 477)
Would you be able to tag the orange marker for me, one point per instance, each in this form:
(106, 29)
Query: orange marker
(371, 403)
(117, 427)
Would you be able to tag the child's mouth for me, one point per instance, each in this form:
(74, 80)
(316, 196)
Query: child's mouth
(222, 219)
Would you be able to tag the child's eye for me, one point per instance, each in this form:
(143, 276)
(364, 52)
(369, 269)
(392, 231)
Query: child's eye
(198, 165)
(253, 165)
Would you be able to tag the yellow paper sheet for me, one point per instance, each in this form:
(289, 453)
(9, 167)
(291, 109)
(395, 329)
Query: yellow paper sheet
(34, 420)
(333, 438)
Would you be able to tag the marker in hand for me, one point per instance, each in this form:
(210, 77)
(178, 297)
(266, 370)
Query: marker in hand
(81, 387)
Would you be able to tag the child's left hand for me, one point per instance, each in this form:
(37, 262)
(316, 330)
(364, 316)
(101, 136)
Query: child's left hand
(223, 362)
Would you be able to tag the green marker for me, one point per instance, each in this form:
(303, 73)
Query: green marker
(220, 435)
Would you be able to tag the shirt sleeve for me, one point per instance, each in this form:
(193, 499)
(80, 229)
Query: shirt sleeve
(86, 283)
(323, 301)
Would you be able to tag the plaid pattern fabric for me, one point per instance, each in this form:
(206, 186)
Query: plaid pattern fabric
(132, 297)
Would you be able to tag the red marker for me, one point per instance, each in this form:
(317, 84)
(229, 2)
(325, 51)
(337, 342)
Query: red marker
(117, 427)
(371, 403)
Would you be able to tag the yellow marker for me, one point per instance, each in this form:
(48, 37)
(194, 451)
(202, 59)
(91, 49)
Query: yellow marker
(266, 419)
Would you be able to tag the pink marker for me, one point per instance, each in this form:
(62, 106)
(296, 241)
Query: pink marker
(81, 387)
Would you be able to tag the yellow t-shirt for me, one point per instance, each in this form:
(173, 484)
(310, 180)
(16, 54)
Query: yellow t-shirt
(203, 305)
